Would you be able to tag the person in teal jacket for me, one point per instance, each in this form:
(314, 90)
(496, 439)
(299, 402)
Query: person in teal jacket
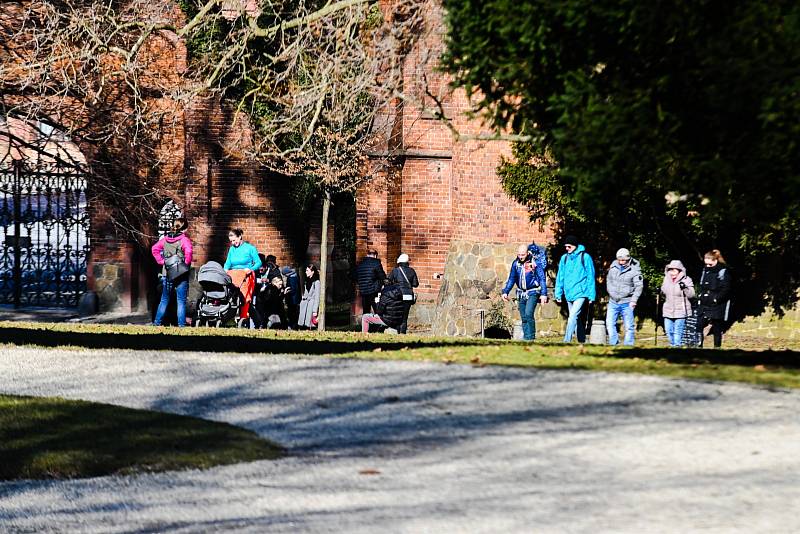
(241, 255)
(575, 282)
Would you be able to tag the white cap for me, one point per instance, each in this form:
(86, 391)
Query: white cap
(402, 258)
(623, 254)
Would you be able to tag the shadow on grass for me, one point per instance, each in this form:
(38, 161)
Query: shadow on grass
(56, 438)
(156, 339)
(779, 358)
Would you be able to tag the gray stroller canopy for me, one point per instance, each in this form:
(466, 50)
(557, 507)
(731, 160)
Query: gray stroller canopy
(214, 273)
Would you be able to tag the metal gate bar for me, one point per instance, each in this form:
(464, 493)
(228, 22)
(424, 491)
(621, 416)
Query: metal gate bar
(43, 262)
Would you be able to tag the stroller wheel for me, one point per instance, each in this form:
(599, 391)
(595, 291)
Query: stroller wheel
(242, 322)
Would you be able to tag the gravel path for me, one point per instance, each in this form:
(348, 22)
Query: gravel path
(417, 447)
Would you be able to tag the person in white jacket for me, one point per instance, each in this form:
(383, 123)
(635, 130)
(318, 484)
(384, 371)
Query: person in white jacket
(677, 289)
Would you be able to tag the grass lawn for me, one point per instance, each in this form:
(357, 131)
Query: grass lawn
(774, 368)
(57, 438)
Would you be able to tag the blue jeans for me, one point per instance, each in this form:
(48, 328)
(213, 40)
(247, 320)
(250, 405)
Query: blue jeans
(181, 290)
(614, 311)
(674, 329)
(527, 306)
(575, 308)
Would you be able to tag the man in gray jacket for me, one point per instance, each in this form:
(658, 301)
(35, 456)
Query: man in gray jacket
(624, 283)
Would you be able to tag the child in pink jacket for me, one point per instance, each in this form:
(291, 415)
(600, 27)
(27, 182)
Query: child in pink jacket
(678, 289)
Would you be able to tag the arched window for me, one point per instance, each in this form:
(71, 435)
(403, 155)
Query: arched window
(167, 216)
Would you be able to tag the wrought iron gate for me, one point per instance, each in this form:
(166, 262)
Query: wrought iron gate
(45, 227)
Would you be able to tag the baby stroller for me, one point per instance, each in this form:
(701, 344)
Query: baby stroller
(221, 300)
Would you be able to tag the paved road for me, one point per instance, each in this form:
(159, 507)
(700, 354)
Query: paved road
(451, 448)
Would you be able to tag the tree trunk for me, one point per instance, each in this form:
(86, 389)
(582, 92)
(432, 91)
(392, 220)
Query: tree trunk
(323, 261)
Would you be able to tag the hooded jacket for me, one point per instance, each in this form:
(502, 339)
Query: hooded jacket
(575, 278)
(676, 299)
(185, 245)
(624, 282)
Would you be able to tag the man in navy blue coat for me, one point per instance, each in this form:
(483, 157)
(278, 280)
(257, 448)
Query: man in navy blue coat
(528, 275)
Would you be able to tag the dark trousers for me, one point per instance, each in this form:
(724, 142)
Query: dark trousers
(292, 314)
(404, 326)
(368, 303)
(717, 325)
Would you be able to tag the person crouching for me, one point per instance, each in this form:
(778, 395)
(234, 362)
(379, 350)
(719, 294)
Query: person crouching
(390, 309)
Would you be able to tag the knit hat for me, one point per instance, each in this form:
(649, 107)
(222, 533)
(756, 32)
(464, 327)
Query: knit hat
(402, 258)
(623, 254)
(571, 240)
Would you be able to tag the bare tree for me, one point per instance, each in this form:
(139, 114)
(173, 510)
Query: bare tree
(315, 80)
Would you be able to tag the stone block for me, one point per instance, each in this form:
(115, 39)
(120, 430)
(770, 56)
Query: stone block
(111, 271)
(486, 262)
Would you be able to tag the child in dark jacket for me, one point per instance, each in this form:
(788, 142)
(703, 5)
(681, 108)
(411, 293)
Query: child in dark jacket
(274, 312)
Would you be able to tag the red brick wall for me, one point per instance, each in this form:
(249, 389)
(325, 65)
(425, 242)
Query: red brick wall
(224, 190)
(448, 189)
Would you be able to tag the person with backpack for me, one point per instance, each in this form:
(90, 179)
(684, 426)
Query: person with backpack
(677, 289)
(390, 310)
(539, 255)
(174, 253)
(405, 277)
(575, 282)
(528, 275)
(714, 291)
(370, 277)
(624, 282)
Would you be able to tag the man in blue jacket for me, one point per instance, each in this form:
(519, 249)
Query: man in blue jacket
(575, 281)
(531, 284)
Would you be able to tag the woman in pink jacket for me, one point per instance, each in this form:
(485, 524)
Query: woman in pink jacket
(678, 289)
(174, 243)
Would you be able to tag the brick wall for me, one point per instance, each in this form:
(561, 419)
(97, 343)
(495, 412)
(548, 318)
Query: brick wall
(446, 189)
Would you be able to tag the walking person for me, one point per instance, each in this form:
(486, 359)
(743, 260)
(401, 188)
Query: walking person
(370, 277)
(528, 275)
(389, 311)
(714, 291)
(677, 289)
(309, 304)
(292, 295)
(406, 278)
(174, 253)
(624, 283)
(575, 282)
(241, 264)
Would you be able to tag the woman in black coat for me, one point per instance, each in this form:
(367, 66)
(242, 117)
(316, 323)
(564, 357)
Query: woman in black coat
(405, 277)
(714, 291)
